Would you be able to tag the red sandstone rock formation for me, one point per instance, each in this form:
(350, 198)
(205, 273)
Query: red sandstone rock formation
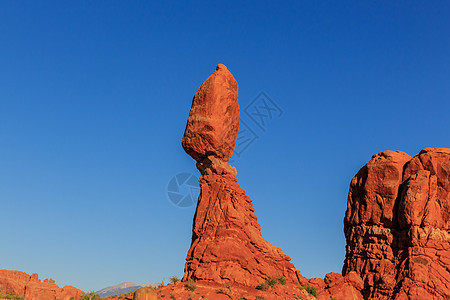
(335, 286)
(227, 245)
(213, 122)
(145, 293)
(32, 288)
(397, 225)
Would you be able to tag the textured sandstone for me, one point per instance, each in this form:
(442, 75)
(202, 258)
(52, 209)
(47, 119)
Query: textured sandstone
(145, 293)
(213, 122)
(397, 225)
(339, 287)
(32, 288)
(227, 245)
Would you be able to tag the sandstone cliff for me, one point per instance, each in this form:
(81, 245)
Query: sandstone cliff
(397, 225)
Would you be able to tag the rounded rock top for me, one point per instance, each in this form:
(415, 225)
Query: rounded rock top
(221, 67)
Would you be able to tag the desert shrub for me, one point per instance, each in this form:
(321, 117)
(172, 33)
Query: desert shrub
(312, 290)
(263, 286)
(309, 288)
(173, 279)
(191, 296)
(271, 281)
(126, 295)
(260, 298)
(90, 296)
(173, 297)
(191, 285)
(281, 280)
(11, 296)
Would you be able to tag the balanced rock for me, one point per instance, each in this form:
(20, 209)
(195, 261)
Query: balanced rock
(227, 245)
(397, 225)
(213, 122)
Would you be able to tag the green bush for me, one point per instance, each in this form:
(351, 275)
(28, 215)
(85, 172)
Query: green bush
(309, 288)
(271, 281)
(281, 280)
(191, 285)
(9, 295)
(312, 290)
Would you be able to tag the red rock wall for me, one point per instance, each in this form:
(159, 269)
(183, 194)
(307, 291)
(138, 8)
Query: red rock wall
(32, 288)
(397, 225)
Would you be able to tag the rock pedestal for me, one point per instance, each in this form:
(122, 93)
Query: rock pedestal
(227, 245)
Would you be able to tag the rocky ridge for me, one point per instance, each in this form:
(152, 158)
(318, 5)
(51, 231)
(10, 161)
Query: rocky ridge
(32, 288)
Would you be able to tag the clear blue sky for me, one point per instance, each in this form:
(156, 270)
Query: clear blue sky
(94, 98)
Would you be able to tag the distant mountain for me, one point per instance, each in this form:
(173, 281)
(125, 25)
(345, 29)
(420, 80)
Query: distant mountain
(121, 288)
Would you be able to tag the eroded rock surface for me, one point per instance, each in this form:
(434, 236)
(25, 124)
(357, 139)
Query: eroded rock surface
(227, 245)
(145, 293)
(397, 225)
(32, 288)
(213, 122)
